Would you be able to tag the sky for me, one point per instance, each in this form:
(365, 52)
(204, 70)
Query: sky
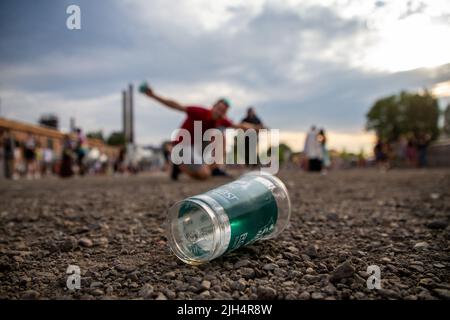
(321, 62)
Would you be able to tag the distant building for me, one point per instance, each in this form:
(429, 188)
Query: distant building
(50, 137)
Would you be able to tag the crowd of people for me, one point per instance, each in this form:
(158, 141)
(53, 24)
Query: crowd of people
(409, 152)
(31, 159)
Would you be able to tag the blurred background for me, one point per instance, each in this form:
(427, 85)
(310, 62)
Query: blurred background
(375, 75)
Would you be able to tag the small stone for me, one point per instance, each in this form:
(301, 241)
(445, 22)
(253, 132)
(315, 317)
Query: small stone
(292, 249)
(439, 265)
(239, 285)
(67, 245)
(97, 292)
(241, 263)
(109, 290)
(102, 242)
(332, 216)
(170, 294)
(309, 270)
(344, 270)
(421, 245)
(134, 276)
(96, 285)
(417, 268)
(146, 291)
(304, 295)
(389, 294)
(427, 282)
(161, 296)
(170, 275)
(311, 251)
(205, 294)
(434, 196)
(317, 296)
(442, 293)
(30, 295)
(266, 293)
(329, 289)
(247, 273)
(86, 242)
(206, 285)
(311, 279)
(125, 267)
(270, 267)
(438, 224)
(360, 296)
(291, 296)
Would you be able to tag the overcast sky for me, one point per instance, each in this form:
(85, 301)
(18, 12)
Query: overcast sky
(298, 62)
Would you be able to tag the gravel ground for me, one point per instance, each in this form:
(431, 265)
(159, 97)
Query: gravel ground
(112, 228)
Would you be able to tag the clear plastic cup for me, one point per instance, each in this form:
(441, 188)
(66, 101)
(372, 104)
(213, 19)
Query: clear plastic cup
(203, 227)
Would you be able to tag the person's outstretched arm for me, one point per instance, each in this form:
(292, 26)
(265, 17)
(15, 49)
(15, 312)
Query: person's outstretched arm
(167, 102)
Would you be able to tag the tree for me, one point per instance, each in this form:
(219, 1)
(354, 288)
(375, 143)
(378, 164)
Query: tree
(96, 135)
(404, 114)
(116, 139)
(384, 118)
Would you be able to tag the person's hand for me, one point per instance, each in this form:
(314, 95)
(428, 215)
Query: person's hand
(145, 89)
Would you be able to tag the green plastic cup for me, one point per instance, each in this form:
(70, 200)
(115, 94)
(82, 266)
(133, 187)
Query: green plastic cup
(206, 226)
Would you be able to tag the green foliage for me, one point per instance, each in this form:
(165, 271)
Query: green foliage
(116, 139)
(404, 114)
(96, 135)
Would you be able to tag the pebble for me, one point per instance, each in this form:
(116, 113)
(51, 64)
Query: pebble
(316, 296)
(146, 291)
(387, 293)
(421, 245)
(311, 279)
(161, 296)
(304, 295)
(266, 293)
(442, 293)
(85, 242)
(30, 295)
(344, 270)
(242, 263)
(96, 285)
(247, 273)
(270, 267)
(206, 285)
(311, 251)
(170, 275)
(438, 224)
(97, 292)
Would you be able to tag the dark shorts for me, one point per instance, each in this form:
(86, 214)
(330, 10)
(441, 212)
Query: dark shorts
(29, 154)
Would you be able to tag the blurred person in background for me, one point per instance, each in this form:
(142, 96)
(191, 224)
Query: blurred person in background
(48, 158)
(67, 157)
(322, 138)
(381, 155)
(80, 151)
(29, 153)
(8, 146)
(313, 150)
(422, 149)
(252, 118)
